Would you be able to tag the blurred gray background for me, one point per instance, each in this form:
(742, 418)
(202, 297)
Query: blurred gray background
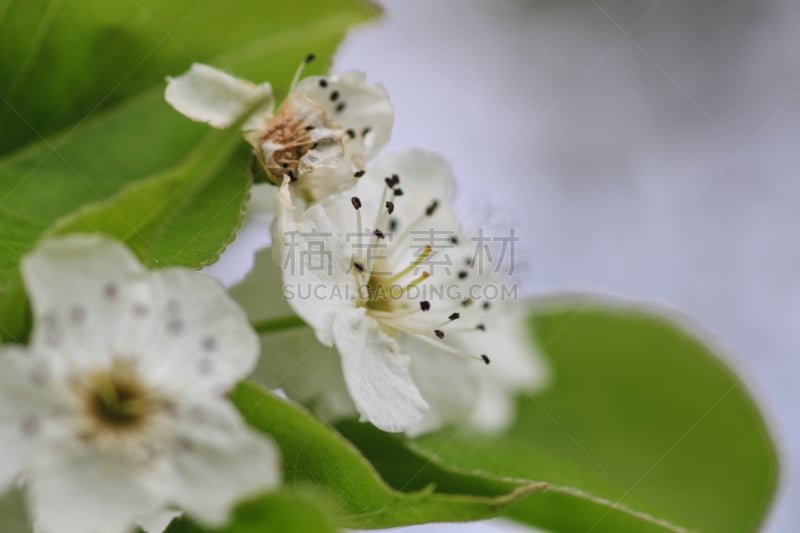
(646, 149)
(643, 149)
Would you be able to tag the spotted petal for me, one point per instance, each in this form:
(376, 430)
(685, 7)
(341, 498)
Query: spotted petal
(218, 461)
(356, 105)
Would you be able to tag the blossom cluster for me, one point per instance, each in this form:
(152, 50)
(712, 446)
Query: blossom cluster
(120, 395)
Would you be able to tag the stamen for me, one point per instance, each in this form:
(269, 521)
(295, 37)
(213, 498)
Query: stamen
(389, 182)
(431, 209)
(425, 305)
(334, 96)
(480, 327)
(398, 192)
(323, 83)
(390, 207)
(340, 107)
(453, 239)
(358, 266)
(467, 302)
(485, 358)
(365, 131)
(392, 224)
(423, 277)
(356, 201)
(351, 133)
(486, 305)
(308, 59)
(454, 316)
(439, 333)
(463, 274)
(414, 264)
(359, 173)
(378, 233)
(309, 128)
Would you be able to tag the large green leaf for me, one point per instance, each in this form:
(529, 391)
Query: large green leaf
(643, 430)
(315, 454)
(81, 85)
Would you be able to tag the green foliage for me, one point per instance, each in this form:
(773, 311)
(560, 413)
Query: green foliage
(284, 510)
(643, 430)
(315, 454)
(84, 126)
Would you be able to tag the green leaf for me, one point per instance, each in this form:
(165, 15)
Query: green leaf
(285, 510)
(81, 87)
(643, 430)
(315, 454)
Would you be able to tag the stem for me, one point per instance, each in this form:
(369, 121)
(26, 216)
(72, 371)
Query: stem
(279, 324)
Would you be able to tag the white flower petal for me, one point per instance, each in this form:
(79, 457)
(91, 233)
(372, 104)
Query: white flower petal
(377, 373)
(219, 461)
(24, 404)
(354, 104)
(314, 260)
(207, 94)
(91, 493)
(424, 176)
(447, 382)
(199, 337)
(83, 289)
(159, 521)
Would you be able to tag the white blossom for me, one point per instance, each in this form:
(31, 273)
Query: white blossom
(390, 287)
(319, 137)
(115, 413)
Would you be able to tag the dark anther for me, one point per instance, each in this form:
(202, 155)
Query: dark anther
(309, 128)
(398, 192)
(396, 179)
(334, 96)
(389, 182)
(392, 224)
(284, 165)
(480, 327)
(431, 209)
(340, 107)
(365, 131)
(454, 239)
(454, 316)
(378, 233)
(466, 303)
(291, 175)
(310, 58)
(323, 83)
(425, 305)
(356, 201)
(390, 207)
(439, 333)
(351, 133)
(468, 261)
(462, 274)
(358, 266)
(485, 358)
(359, 173)
(486, 305)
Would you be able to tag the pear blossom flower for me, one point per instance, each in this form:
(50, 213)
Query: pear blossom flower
(411, 358)
(319, 137)
(114, 415)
